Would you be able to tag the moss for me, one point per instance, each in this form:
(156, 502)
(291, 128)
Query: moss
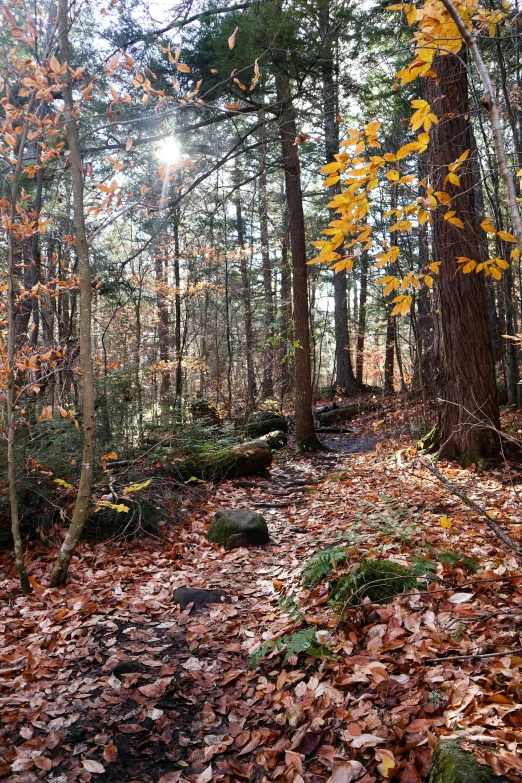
(276, 439)
(453, 765)
(379, 580)
(239, 521)
(109, 523)
(255, 429)
(469, 458)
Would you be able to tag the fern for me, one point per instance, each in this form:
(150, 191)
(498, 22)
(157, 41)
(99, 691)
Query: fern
(454, 558)
(322, 563)
(298, 642)
(289, 606)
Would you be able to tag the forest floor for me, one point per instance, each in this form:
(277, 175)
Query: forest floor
(106, 679)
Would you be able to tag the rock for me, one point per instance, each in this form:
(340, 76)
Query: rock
(236, 541)
(249, 524)
(452, 765)
(202, 408)
(199, 597)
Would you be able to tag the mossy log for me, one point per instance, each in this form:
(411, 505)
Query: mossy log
(255, 429)
(344, 412)
(452, 765)
(244, 459)
(276, 439)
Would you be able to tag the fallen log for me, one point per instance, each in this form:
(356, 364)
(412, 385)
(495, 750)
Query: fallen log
(344, 412)
(243, 459)
(265, 424)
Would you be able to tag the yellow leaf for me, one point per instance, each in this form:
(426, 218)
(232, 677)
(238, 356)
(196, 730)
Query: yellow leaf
(232, 39)
(453, 179)
(137, 487)
(388, 763)
(455, 221)
(112, 455)
(491, 513)
(506, 236)
(392, 175)
(486, 225)
(182, 67)
(445, 523)
(442, 197)
(63, 483)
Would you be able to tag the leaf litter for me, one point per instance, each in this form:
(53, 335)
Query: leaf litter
(107, 679)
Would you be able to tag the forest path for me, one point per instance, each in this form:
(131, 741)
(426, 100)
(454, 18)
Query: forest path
(107, 680)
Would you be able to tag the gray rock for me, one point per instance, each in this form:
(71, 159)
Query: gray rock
(199, 597)
(250, 524)
(452, 765)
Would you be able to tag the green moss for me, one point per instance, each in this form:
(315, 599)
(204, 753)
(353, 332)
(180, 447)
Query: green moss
(255, 429)
(453, 765)
(239, 521)
(379, 580)
(471, 457)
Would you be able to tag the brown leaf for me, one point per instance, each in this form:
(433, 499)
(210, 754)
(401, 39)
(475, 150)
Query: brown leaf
(42, 762)
(410, 774)
(205, 776)
(346, 772)
(110, 753)
(93, 766)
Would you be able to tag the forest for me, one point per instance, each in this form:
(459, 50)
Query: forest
(261, 391)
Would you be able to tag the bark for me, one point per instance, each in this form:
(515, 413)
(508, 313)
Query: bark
(61, 566)
(361, 326)
(268, 350)
(161, 272)
(286, 316)
(245, 293)
(304, 422)
(345, 378)
(177, 312)
(469, 370)
(490, 101)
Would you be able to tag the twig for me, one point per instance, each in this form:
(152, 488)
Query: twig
(481, 655)
(507, 540)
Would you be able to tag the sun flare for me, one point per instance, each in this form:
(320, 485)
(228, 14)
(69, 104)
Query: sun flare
(170, 151)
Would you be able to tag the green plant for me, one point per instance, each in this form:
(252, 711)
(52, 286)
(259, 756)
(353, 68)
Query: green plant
(393, 518)
(289, 606)
(322, 563)
(379, 580)
(454, 558)
(297, 642)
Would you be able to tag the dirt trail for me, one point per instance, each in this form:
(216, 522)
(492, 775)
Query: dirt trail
(107, 680)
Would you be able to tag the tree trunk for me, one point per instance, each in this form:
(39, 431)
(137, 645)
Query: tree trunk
(161, 272)
(304, 422)
(361, 326)
(245, 293)
(11, 374)
(286, 330)
(469, 369)
(344, 378)
(177, 315)
(268, 350)
(61, 566)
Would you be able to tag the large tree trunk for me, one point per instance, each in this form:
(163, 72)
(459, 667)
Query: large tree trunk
(469, 370)
(177, 309)
(344, 378)
(304, 421)
(59, 572)
(286, 315)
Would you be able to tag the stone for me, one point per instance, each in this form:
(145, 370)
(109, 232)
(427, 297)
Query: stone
(277, 439)
(452, 765)
(249, 524)
(199, 597)
(236, 541)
